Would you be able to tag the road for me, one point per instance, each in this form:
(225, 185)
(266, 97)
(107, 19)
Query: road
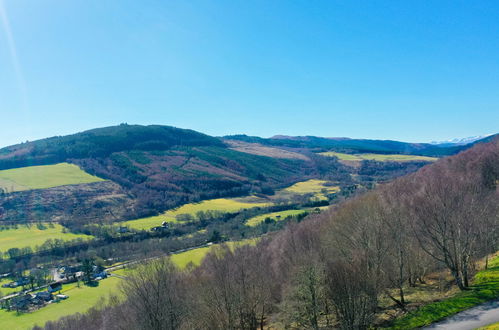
(472, 318)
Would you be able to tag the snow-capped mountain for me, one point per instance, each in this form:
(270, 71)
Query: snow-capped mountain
(461, 141)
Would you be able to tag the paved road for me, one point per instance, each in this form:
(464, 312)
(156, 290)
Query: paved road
(472, 318)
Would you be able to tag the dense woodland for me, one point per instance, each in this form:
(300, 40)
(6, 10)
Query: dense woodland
(331, 269)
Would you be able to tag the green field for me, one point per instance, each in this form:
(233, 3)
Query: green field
(283, 214)
(220, 204)
(80, 300)
(485, 287)
(31, 236)
(196, 256)
(378, 157)
(41, 177)
(313, 186)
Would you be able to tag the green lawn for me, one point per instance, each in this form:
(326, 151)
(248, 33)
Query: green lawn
(80, 300)
(220, 204)
(378, 157)
(41, 177)
(7, 291)
(283, 214)
(485, 287)
(31, 236)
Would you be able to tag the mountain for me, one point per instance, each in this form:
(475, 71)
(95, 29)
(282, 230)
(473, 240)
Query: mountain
(460, 141)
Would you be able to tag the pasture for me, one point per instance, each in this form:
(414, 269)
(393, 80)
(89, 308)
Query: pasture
(31, 236)
(319, 188)
(42, 177)
(80, 300)
(378, 157)
(274, 216)
(196, 256)
(225, 205)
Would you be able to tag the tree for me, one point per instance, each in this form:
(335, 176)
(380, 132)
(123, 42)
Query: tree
(87, 268)
(156, 297)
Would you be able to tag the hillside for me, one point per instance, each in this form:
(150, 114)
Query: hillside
(101, 142)
(150, 169)
(350, 268)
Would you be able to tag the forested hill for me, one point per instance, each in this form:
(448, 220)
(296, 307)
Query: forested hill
(101, 142)
(357, 145)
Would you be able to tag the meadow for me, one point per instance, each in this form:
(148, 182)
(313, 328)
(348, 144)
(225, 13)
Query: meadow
(42, 177)
(196, 256)
(31, 236)
(313, 186)
(378, 157)
(226, 205)
(274, 216)
(80, 300)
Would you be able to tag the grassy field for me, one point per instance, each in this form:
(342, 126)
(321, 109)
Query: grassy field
(7, 291)
(80, 300)
(485, 287)
(283, 214)
(41, 177)
(196, 256)
(313, 186)
(378, 157)
(31, 236)
(220, 204)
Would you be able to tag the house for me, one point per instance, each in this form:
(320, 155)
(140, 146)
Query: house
(44, 296)
(122, 230)
(54, 287)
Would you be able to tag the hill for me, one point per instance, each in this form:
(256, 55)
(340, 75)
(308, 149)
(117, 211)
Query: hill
(101, 142)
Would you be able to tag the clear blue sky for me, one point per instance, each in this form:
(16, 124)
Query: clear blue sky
(405, 70)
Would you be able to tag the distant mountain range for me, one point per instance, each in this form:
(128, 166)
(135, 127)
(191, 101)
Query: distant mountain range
(461, 141)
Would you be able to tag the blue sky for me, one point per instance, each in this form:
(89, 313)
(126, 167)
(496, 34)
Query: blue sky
(405, 70)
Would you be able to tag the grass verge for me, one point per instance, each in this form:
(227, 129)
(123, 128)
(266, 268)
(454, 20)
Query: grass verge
(485, 287)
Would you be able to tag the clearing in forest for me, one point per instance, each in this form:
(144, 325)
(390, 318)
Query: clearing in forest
(42, 177)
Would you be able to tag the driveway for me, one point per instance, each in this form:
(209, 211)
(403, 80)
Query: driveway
(472, 318)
